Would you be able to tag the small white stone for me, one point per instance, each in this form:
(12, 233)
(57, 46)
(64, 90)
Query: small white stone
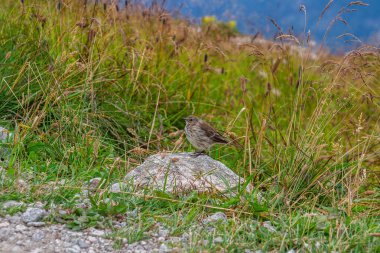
(4, 224)
(218, 239)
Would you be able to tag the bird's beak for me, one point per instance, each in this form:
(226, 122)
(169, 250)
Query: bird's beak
(186, 118)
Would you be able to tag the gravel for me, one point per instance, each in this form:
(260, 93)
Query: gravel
(19, 234)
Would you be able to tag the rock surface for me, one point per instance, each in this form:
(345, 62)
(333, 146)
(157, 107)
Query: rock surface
(183, 172)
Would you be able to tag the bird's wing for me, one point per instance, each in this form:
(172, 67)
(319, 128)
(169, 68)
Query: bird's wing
(212, 133)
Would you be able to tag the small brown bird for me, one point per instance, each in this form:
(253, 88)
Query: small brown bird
(202, 135)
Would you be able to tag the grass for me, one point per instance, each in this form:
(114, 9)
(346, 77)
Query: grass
(89, 92)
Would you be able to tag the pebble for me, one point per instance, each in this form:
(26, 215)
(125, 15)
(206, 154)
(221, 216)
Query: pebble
(20, 227)
(82, 244)
(38, 236)
(97, 232)
(4, 224)
(216, 217)
(218, 239)
(62, 212)
(36, 224)
(33, 214)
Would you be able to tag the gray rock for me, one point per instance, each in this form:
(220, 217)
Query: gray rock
(33, 214)
(216, 217)
(11, 203)
(182, 172)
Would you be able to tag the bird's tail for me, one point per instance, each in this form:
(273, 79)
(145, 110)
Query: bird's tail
(234, 140)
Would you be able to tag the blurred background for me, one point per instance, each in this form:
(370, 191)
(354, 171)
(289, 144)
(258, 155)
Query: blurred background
(339, 25)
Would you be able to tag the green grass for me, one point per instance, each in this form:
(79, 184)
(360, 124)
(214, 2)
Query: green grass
(91, 93)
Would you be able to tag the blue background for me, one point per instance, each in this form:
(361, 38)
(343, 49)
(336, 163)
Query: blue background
(253, 16)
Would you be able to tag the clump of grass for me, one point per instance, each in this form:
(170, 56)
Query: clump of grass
(91, 91)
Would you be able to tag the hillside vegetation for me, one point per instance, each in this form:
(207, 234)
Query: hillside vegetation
(90, 91)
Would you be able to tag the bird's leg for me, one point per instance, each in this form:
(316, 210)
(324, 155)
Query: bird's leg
(198, 153)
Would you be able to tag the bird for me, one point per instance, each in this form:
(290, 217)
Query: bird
(202, 135)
